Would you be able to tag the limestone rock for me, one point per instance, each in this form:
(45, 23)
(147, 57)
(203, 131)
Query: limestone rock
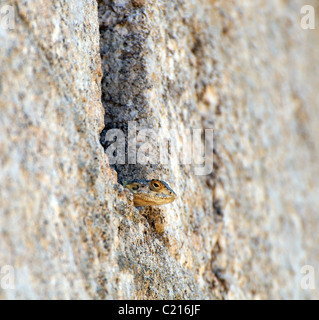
(69, 229)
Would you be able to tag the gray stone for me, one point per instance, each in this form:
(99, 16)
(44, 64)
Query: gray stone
(68, 227)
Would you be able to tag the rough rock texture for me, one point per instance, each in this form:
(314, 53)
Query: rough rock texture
(245, 69)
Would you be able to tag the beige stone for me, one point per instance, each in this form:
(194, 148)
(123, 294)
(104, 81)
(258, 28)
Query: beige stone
(246, 69)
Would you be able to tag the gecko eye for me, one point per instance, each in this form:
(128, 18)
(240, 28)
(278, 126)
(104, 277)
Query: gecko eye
(155, 185)
(135, 187)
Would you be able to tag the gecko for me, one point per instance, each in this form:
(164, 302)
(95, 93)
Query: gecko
(150, 192)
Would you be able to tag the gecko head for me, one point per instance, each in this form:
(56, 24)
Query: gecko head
(150, 192)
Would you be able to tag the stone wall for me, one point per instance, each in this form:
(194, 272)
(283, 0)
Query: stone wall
(74, 70)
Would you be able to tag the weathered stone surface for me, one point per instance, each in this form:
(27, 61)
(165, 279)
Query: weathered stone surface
(69, 229)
